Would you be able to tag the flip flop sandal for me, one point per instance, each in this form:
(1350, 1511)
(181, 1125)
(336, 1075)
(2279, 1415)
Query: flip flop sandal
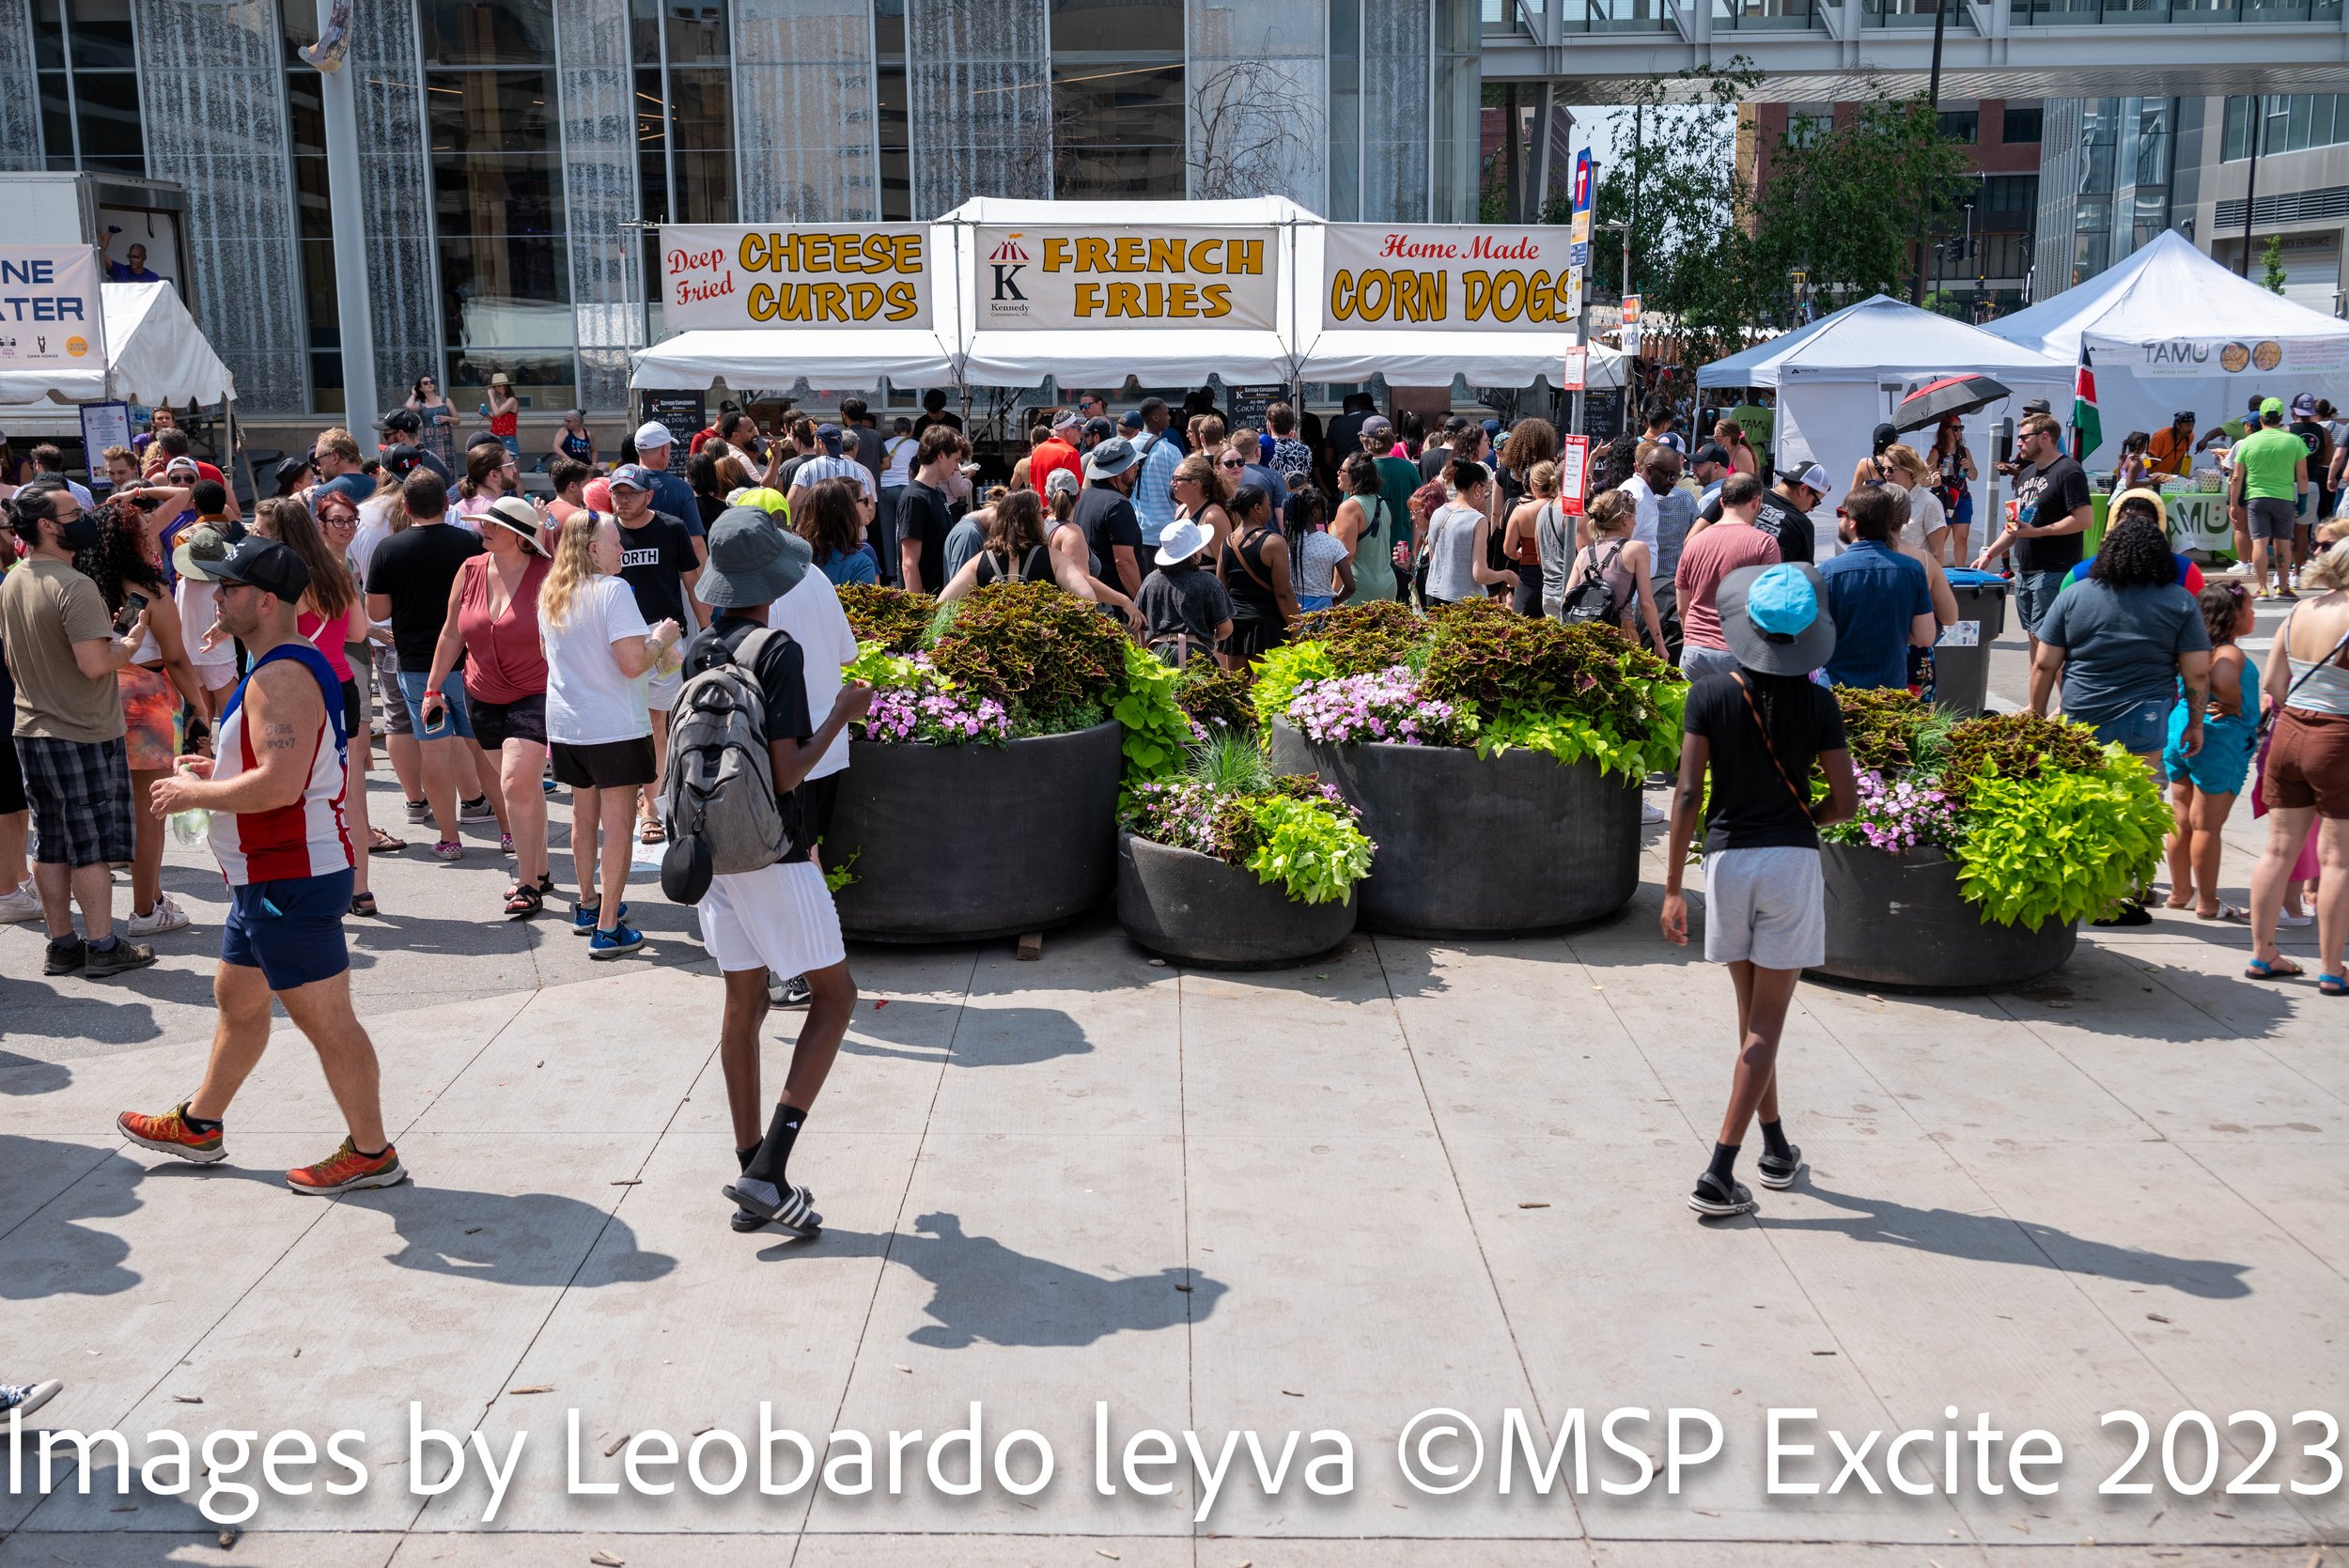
(796, 1213)
(521, 902)
(546, 883)
(2281, 968)
(2332, 985)
(651, 832)
(384, 843)
(2234, 914)
(746, 1220)
(363, 903)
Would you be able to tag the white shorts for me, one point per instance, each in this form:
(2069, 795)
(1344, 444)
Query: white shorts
(780, 919)
(661, 690)
(1765, 906)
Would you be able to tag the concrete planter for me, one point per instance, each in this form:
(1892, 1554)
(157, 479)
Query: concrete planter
(1471, 846)
(1195, 908)
(959, 843)
(1900, 921)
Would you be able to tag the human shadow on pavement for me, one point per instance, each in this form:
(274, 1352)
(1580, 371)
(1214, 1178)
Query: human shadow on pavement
(985, 1293)
(2180, 1006)
(1999, 1238)
(981, 1036)
(51, 1250)
(29, 1074)
(532, 1240)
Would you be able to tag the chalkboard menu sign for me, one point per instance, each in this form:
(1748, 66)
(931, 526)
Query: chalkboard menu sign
(1602, 418)
(683, 412)
(1248, 404)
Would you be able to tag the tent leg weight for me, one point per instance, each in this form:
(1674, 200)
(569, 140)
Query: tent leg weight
(1031, 947)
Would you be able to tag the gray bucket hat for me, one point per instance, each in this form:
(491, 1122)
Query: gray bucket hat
(1775, 618)
(751, 561)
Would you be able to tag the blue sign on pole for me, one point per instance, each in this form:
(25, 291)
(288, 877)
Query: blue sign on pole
(1579, 236)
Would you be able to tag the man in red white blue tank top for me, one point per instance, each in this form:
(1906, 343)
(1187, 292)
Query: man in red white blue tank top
(274, 786)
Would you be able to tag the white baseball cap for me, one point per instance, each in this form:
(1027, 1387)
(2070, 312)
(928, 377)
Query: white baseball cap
(653, 433)
(1814, 477)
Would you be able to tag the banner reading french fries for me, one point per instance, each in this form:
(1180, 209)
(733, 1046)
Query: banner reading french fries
(1454, 276)
(1043, 279)
(726, 276)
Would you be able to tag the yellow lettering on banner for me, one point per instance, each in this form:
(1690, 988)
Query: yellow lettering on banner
(831, 301)
(1218, 297)
(1126, 299)
(760, 301)
(1204, 257)
(1341, 295)
(1087, 301)
(754, 253)
(1243, 255)
(815, 253)
(1093, 253)
(904, 304)
(1056, 255)
(1182, 298)
(1166, 256)
(1130, 258)
(865, 300)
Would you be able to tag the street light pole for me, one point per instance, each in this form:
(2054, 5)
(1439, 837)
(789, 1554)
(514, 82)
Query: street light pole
(1933, 109)
(354, 323)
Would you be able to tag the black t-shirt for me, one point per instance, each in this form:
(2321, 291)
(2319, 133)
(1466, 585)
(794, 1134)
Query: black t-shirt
(1345, 435)
(1784, 521)
(1753, 807)
(924, 420)
(654, 560)
(1037, 567)
(415, 569)
(781, 674)
(1108, 519)
(2314, 437)
(923, 518)
(2045, 495)
(1432, 460)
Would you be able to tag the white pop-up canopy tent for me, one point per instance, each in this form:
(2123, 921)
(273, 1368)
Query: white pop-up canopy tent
(2169, 330)
(155, 354)
(1840, 375)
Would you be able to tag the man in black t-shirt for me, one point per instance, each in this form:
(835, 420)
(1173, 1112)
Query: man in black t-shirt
(658, 563)
(2052, 511)
(408, 584)
(1106, 515)
(1784, 512)
(924, 517)
(780, 916)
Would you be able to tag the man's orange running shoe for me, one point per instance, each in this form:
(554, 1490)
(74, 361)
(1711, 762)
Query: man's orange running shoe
(346, 1170)
(170, 1134)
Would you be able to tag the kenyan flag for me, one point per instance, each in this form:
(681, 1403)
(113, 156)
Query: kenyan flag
(2087, 430)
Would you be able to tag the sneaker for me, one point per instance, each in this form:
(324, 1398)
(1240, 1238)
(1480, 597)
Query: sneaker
(121, 958)
(1709, 1200)
(1651, 814)
(547, 784)
(448, 849)
(586, 916)
(169, 1134)
(2130, 913)
(22, 905)
(2286, 917)
(22, 1399)
(164, 917)
(475, 810)
(622, 938)
(66, 955)
(1780, 1173)
(419, 811)
(505, 844)
(793, 992)
(348, 1171)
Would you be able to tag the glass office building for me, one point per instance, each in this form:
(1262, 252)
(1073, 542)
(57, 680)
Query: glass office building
(514, 151)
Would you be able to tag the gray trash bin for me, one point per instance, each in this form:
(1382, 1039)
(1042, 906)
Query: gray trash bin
(1961, 674)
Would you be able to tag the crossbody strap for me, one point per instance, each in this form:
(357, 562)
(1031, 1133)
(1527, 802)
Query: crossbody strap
(1802, 800)
(2283, 636)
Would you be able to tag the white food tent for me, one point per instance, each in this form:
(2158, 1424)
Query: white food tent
(155, 354)
(2169, 329)
(1840, 375)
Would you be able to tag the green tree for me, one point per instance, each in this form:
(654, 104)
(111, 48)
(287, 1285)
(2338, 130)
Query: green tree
(2272, 259)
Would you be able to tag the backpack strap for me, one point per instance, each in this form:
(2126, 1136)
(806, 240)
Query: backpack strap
(1746, 691)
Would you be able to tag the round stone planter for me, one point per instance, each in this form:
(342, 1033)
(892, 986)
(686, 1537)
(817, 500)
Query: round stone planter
(1900, 921)
(1471, 846)
(961, 843)
(1195, 908)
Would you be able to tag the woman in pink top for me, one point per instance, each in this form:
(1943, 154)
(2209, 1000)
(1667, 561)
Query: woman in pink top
(330, 615)
(493, 625)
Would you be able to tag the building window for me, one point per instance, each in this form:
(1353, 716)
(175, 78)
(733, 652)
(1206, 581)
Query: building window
(893, 98)
(89, 94)
(2294, 123)
(1346, 110)
(1807, 123)
(314, 216)
(684, 120)
(1456, 113)
(494, 139)
(1117, 98)
(1961, 125)
(2022, 123)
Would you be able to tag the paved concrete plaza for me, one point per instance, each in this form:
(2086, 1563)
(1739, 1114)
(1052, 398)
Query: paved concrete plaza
(1411, 1176)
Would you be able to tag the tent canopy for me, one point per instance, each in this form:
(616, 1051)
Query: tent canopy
(2166, 289)
(154, 353)
(1884, 340)
(752, 357)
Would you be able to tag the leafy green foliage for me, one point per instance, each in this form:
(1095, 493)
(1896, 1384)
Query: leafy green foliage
(2272, 274)
(877, 667)
(1230, 764)
(2014, 746)
(1156, 731)
(1036, 648)
(2062, 844)
(1881, 726)
(1217, 699)
(1570, 691)
(1844, 207)
(1284, 668)
(838, 877)
(897, 620)
(1363, 637)
(1314, 852)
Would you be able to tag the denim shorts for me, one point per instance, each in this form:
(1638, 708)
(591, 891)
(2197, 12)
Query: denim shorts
(2140, 731)
(2034, 595)
(459, 718)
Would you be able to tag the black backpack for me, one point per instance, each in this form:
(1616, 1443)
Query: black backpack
(1593, 597)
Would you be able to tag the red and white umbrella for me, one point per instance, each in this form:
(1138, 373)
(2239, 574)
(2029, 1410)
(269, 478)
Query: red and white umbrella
(1935, 401)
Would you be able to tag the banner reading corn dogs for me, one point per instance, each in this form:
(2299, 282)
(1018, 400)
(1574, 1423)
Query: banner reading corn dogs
(1053, 278)
(726, 276)
(1451, 275)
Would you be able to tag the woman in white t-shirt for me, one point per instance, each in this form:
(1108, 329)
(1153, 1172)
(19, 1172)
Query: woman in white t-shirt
(599, 730)
(1925, 535)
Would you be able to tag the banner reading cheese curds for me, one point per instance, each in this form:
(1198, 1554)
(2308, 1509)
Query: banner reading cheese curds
(1398, 276)
(1053, 278)
(726, 276)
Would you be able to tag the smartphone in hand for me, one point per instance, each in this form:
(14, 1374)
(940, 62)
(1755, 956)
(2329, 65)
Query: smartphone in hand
(134, 606)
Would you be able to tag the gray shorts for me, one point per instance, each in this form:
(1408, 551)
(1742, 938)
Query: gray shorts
(1697, 663)
(2271, 517)
(383, 660)
(1765, 906)
(2034, 595)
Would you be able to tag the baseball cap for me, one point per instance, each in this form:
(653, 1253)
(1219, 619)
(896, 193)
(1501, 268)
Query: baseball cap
(182, 465)
(1815, 478)
(1062, 479)
(266, 564)
(1129, 420)
(828, 436)
(2304, 406)
(1377, 427)
(767, 500)
(595, 494)
(403, 459)
(652, 433)
(632, 477)
(1100, 429)
(1712, 452)
(2271, 405)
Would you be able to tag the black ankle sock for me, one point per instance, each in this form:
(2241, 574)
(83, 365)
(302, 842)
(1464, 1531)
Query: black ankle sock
(372, 1154)
(107, 945)
(774, 1150)
(1774, 1141)
(742, 1157)
(1724, 1166)
(196, 1123)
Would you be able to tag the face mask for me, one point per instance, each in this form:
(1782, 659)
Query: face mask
(79, 535)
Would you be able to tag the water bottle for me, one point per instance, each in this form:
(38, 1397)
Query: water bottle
(191, 827)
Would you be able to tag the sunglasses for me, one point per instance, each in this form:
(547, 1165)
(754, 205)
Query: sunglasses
(1230, 463)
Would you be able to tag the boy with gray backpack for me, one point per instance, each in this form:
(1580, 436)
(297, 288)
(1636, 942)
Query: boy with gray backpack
(740, 742)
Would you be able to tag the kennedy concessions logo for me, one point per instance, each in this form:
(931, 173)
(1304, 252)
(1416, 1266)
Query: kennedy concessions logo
(1009, 260)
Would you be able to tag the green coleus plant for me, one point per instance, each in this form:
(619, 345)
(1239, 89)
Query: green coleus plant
(1290, 829)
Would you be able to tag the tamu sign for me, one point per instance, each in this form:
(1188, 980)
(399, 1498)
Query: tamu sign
(1043, 279)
